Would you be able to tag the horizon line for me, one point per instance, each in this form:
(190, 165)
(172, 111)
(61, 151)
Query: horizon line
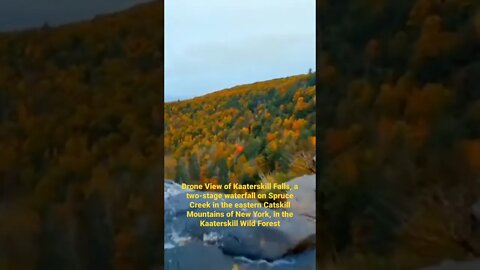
(230, 87)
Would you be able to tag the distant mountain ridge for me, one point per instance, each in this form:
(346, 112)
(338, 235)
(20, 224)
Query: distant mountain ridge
(244, 87)
(243, 132)
(14, 19)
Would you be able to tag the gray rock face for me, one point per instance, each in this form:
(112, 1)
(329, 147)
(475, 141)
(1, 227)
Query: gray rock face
(197, 256)
(304, 202)
(250, 247)
(201, 256)
(304, 261)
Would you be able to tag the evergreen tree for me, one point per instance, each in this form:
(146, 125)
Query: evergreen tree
(223, 170)
(181, 174)
(194, 168)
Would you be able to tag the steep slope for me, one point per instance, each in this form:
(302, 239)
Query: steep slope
(399, 130)
(80, 140)
(243, 133)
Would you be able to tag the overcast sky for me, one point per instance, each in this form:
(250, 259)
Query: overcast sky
(21, 14)
(215, 44)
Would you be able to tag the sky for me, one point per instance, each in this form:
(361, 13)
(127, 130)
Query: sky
(22, 14)
(216, 44)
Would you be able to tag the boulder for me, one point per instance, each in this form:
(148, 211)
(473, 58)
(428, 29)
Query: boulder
(196, 255)
(304, 202)
(252, 242)
(201, 256)
(304, 261)
(260, 247)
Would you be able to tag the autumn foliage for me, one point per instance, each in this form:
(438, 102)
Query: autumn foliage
(238, 134)
(81, 127)
(398, 134)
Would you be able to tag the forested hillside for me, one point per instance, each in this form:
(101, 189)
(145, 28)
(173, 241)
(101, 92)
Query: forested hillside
(263, 130)
(399, 132)
(80, 144)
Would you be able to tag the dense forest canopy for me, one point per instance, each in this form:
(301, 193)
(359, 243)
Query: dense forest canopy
(399, 132)
(258, 132)
(80, 139)
(81, 133)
